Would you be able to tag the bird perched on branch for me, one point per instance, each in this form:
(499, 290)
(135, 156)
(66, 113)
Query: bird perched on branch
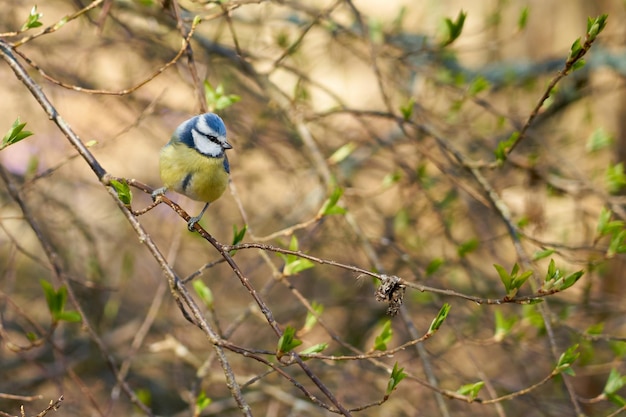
(194, 162)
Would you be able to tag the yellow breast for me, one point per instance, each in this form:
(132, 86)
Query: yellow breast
(187, 172)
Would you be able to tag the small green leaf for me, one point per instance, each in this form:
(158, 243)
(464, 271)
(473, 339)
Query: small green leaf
(296, 266)
(15, 134)
(522, 20)
(505, 277)
(216, 98)
(33, 20)
(71, 316)
(376, 32)
(287, 342)
(454, 28)
(386, 333)
(503, 325)
(575, 49)
(599, 139)
(407, 109)
(441, 317)
(391, 179)
(566, 360)
(204, 292)
(614, 383)
(615, 177)
(541, 254)
(397, 375)
(238, 236)
(320, 347)
(471, 390)
(342, 153)
(202, 401)
(434, 266)
(478, 84)
(595, 26)
(311, 319)
(330, 206)
(123, 191)
(504, 147)
(467, 247)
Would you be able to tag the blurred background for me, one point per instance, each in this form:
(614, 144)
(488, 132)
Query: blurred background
(372, 98)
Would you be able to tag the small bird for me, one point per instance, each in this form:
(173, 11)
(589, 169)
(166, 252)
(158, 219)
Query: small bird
(194, 162)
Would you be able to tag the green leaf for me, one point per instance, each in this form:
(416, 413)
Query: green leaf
(376, 32)
(397, 375)
(607, 227)
(15, 134)
(614, 383)
(204, 292)
(575, 49)
(541, 254)
(33, 20)
(615, 177)
(504, 147)
(287, 342)
(123, 191)
(566, 360)
(407, 109)
(56, 303)
(330, 206)
(522, 20)
(505, 277)
(320, 347)
(386, 333)
(441, 317)
(478, 84)
(342, 153)
(503, 325)
(216, 98)
(471, 390)
(202, 401)
(467, 247)
(296, 266)
(311, 319)
(595, 26)
(71, 316)
(454, 28)
(599, 139)
(434, 266)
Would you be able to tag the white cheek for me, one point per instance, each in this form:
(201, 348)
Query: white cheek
(204, 145)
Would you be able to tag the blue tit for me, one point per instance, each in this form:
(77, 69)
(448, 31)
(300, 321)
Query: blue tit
(194, 161)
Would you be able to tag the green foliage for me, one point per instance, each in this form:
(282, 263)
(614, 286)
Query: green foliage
(33, 20)
(386, 333)
(566, 360)
(599, 139)
(434, 266)
(503, 325)
(522, 19)
(615, 177)
(204, 292)
(216, 99)
(342, 153)
(287, 342)
(294, 263)
(614, 383)
(123, 191)
(555, 281)
(56, 303)
(471, 390)
(330, 205)
(311, 319)
(407, 109)
(441, 317)
(504, 147)
(467, 247)
(238, 236)
(318, 348)
(541, 254)
(202, 402)
(477, 85)
(512, 281)
(15, 134)
(614, 229)
(397, 375)
(595, 26)
(454, 28)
